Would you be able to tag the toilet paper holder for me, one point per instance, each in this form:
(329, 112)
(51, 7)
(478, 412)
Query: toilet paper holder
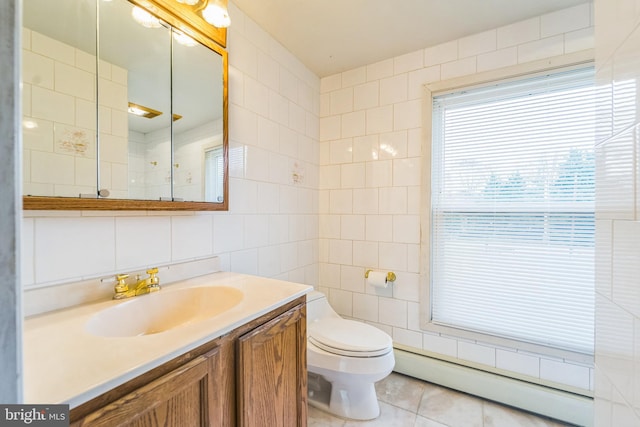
(391, 276)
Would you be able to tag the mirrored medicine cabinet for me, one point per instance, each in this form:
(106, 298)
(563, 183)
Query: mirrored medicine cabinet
(124, 106)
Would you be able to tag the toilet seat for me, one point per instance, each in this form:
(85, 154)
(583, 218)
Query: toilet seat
(349, 338)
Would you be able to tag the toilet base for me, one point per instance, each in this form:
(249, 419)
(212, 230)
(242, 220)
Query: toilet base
(358, 402)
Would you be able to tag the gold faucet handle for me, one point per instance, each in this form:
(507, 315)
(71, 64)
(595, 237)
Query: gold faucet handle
(154, 281)
(121, 286)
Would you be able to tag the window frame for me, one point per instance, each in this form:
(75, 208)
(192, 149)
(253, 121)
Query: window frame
(215, 148)
(517, 72)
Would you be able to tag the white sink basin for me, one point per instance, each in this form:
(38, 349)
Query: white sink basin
(162, 311)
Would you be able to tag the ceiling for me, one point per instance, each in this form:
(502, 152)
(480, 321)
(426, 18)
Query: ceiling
(331, 36)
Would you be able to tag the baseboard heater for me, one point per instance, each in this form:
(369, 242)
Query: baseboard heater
(561, 405)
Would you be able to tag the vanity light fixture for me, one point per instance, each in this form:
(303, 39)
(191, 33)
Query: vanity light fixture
(146, 112)
(213, 11)
(144, 18)
(216, 14)
(141, 111)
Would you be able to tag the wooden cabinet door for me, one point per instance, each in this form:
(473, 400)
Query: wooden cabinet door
(184, 397)
(272, 372)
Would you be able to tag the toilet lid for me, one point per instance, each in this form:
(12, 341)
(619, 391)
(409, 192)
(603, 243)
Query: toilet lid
(349, 338)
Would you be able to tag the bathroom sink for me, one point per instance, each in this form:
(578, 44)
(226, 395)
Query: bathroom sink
(163, 311)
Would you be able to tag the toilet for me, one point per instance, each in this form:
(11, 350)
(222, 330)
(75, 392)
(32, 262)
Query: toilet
(345, 359)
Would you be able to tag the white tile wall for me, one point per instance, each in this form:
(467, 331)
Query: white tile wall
(392, 312)
(477, 44)
(473, 352)
(540, 49)
(498, 59)
(49, 105)
(518, 33)
(461, 67)
(565, 21)
(71, 247)
(74, 81)
(59, 98)
(441, 54)
(51, 48)
(37, 68)
(151, 233)
(575, 375)
(191, 237)
(409, 62)
(245, 261)
(365, 307)
(518, 362)
(440, 344)
(617, 378)
(385, 198)
(377, 71)
(615, 180)
(408, 338)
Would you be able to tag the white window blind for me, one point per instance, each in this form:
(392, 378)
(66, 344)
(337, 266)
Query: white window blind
(513, 189)
(214, 175)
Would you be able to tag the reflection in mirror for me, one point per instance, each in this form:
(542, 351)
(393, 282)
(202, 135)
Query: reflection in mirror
(135, 69)
(59, 98)
(197, 136)
(83, 143)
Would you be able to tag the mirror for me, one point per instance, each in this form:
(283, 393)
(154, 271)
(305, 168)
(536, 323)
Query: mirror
(59, 99)
(142, 52)
(122, 113)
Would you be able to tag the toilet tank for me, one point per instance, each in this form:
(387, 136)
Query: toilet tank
(318, 307)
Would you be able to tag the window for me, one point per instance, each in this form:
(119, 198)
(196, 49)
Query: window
(213, 175)
(512, 210)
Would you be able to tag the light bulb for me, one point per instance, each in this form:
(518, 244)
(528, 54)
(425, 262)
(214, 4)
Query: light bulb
(216, 15)
(136, 111)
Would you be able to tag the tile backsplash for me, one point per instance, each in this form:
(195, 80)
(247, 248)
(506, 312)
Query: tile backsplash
(40, 300)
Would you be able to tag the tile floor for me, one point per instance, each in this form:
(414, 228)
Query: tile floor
(408, 402)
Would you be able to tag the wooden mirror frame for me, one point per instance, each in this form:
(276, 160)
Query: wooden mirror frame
(187, 19)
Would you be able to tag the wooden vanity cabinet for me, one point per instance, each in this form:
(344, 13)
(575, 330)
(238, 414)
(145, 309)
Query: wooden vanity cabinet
(254, 376)
(181, 397)
(272, 373)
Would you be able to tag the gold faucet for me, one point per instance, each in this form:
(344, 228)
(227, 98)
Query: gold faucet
(142, 286)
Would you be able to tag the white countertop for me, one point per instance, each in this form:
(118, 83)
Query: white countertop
(64, 363)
